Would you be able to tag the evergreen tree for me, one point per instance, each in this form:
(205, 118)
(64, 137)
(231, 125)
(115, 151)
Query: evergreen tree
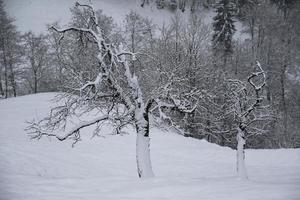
(223, 28)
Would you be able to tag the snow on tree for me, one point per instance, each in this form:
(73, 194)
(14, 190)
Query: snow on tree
(250, 115)
(114, 90)
(138, 36)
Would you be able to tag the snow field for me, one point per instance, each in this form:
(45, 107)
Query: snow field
(105, 168)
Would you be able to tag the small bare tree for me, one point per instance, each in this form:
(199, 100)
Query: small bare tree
(114, 90)
(251, 117)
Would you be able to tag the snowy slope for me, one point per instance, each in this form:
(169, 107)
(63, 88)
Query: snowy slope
(104, 168)
(35, 14)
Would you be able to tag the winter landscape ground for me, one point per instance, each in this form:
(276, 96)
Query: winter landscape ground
(105, 168)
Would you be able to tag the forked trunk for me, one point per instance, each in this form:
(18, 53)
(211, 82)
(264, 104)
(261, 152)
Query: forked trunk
(241, 167)
(143, 160)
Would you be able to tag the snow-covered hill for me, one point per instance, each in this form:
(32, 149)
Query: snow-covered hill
(35, 14)
(105, 168)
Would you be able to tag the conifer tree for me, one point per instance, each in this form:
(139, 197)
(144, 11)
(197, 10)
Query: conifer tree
(223, 28)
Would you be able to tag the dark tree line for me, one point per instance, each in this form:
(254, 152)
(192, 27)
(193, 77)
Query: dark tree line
(271, 28)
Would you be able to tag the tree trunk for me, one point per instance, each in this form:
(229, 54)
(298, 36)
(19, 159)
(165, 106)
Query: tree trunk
(283, 99)
(5, 78)
(5, 72)
(252, 24)
(143, 160)
(1, 87)
(241, 167)
(133, 45)
(35, 83)
(268, 80)
(12, 79)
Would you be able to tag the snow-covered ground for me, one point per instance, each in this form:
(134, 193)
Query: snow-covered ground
(105, 168)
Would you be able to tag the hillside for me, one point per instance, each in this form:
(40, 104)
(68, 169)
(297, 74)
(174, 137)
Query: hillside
(27, 20)
(105, 168)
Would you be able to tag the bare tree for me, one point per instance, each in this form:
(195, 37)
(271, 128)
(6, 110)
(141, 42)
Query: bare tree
(9, 52)
(116, 91)
(36, 51)
(250, 115)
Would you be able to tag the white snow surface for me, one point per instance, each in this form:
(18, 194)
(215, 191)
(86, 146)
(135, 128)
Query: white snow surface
(105, 168)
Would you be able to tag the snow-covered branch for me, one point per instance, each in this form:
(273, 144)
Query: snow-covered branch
(36, 130)
(257, 88)
(82, 30)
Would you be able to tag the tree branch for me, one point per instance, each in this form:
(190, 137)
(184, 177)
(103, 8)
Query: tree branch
(36, 129)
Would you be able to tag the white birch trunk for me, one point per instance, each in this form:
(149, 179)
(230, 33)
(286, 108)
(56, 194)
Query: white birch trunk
(241, 167)
(143, 160)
